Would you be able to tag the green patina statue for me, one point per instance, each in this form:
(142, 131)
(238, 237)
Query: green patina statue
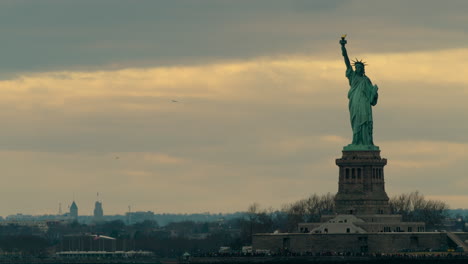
(362, 96)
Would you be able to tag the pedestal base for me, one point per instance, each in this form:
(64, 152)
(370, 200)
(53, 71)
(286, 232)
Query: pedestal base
(361, 187)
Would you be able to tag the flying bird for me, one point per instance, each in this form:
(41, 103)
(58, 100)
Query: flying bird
(174, 101)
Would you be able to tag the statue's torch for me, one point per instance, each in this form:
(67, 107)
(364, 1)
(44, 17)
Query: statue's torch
(343, 40)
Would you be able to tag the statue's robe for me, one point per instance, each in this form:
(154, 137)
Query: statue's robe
(362, 96)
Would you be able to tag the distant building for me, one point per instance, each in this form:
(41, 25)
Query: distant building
(19, 217)
(41, 226)
(138, 217)
(74, 211)
(98, 212)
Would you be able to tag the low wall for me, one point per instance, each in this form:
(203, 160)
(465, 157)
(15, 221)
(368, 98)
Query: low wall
(367, 242)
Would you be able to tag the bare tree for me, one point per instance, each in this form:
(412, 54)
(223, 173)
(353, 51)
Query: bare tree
(309, 209)
(258, 221)
(414, 207)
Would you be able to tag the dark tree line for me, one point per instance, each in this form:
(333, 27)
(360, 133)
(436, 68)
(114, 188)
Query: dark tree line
(25, 244)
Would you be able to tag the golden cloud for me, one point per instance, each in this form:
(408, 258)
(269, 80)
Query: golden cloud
(260, 80)
(425, 154)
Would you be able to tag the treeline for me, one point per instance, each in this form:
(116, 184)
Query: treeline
(167, 218)
(415, 208)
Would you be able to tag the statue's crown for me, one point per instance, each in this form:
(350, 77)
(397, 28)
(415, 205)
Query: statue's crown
(359, 62)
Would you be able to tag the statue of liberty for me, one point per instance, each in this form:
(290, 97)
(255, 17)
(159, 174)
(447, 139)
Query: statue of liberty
(362, 96)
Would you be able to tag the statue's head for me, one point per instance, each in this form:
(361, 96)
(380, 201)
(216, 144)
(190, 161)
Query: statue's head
(359, 67)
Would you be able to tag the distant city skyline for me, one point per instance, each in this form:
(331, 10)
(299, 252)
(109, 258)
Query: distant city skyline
(207, 105)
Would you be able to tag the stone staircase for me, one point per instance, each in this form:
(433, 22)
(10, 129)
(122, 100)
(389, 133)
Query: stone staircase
(457, 241)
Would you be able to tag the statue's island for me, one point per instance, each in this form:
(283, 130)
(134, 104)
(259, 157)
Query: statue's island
(362, 221)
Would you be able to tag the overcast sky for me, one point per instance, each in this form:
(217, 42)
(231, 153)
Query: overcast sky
(87, 90)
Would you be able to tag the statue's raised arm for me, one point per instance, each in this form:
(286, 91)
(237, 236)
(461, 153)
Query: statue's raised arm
(344, 52)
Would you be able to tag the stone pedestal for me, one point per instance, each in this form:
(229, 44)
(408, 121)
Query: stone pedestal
(361, 187)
